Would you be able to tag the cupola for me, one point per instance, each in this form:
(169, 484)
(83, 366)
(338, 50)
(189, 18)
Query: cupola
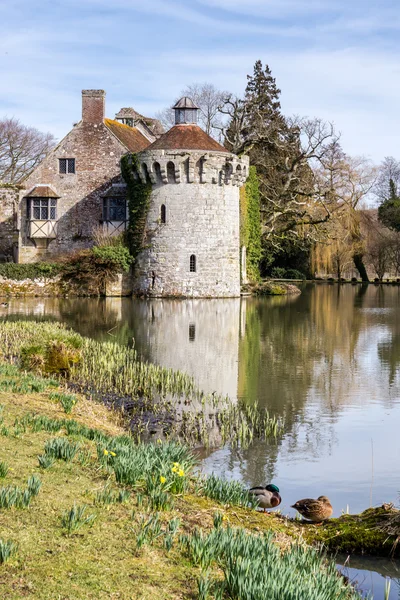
(185, 111)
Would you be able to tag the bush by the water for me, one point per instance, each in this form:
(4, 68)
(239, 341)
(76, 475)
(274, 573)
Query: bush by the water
(282, 273)
(94, 267)
(32, 271)
(55, 354)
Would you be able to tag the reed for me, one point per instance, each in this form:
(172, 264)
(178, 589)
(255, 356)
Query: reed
(113, 372)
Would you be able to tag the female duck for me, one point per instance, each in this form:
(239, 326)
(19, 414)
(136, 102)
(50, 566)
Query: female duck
(267, 497)
(314, 510)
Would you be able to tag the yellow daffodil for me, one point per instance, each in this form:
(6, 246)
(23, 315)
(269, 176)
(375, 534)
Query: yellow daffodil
(181, 472)
(159, 441)
(112, 453)
(176, 464)
(162, 479)
(105, 452)
(174, 469)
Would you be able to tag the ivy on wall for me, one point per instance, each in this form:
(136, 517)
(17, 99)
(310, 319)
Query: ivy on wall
(138, 196)
(250, 224)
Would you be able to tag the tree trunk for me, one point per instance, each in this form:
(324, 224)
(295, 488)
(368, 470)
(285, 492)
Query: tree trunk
(359, 265)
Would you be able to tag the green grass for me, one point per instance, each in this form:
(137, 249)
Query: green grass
(111, 369)
(113, 518)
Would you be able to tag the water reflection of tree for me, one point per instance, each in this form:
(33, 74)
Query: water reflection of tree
(304, 360)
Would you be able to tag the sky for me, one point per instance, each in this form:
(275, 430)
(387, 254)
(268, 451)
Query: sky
(338, 60)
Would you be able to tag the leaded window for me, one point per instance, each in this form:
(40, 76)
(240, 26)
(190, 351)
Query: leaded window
(43, 209)
(114, 208)
(192, 263)
(66, 165)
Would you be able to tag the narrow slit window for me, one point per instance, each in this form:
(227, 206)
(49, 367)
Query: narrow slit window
(192, 264)
(192, 332)
(163, 214)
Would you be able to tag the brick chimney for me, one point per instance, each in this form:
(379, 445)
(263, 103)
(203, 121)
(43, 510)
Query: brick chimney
(93, 106)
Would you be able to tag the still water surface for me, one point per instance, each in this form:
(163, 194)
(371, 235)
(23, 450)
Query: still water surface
(326, 361)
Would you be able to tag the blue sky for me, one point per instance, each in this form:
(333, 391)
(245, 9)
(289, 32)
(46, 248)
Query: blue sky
(334, 59)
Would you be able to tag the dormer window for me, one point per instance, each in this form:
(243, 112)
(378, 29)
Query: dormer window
(66, 165)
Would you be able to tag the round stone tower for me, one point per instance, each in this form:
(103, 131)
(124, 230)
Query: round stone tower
(192, 229)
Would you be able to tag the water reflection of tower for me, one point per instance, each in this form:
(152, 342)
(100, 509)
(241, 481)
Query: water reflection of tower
(198, 337)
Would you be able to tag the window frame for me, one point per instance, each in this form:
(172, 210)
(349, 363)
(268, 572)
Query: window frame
(107, 208)
(44, 206)
(69, 167)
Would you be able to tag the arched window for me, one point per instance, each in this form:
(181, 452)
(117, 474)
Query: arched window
(171, 172)
(163, 214)
(192, 263)
(157, 171)
(146, 172)
(228, 173)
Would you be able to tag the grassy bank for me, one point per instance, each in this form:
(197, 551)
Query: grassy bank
(114, 374)
(112, 518)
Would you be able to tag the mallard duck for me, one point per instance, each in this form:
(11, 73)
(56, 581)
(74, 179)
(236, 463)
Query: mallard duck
(267, 497)
(4, 304)
(314, 510)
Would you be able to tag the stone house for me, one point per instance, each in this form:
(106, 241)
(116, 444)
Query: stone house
(192, 227)
(76, 189)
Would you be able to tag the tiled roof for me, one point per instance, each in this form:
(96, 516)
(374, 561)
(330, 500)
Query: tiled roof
(42, 191)
(130, 137)
(186, 137)
(130, 113)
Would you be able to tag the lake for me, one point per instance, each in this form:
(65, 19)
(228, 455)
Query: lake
(326, 361)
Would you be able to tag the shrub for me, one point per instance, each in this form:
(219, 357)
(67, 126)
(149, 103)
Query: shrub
(51, 356)
(282, 273)
(29, 271)
(294, 274)
(95, 267)
(278, 273)
(117, 256)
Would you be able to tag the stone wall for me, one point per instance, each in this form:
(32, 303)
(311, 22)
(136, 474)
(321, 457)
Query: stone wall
(79, 209)
(8, 221)
(198, 194)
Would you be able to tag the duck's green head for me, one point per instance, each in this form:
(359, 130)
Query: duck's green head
(272, 488)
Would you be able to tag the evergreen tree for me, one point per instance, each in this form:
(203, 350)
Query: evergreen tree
(389, 209)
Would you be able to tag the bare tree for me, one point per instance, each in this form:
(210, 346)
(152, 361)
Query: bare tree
(21, 149)
(209, 100)
(388, 170)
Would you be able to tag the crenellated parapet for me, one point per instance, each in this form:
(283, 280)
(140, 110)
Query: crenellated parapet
(162, 167)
